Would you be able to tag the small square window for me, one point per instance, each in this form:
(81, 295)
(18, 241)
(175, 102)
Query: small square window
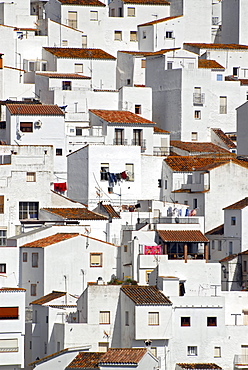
(93, 15)
(194, 136)
(197, 114)
(148, 272)
(125, 248)
(96, 260)
(169, 34)
(118, 35)
(26, 126)
(104, 317)
(131, 12)
(235, 71)
(195, 203)
(192, 351)
(103, 346)
(2, 125)
(143, 63)
(58, 151)
(31, 177)
(137, 109)
(79, 68)
(33, 291)
(24, 257)
(153, 318)
(79, 131)
(64, 43)
(169, 65)
(233, 221)
(185, 321)
(3, 268)
(217, 351)
(211, 321)
(66, 85)
(133, 36)
(219, 77)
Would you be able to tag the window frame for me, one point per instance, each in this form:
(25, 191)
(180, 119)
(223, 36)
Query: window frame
(3, 237)
(129, 168)
(3, 267)
(35, 259)
(30, 176)
(153, 318)
(33, 290)
(211, 321)
(117, 35)
(217, 352)
(104, 317)
(66, 85)
(59, 152)
(101, 259)
(25, 259)
(197, 114)
(185, 321)
(137, 108)
(72, 19)
(131, 11)
(26, 126)
(9, 313)
(78, 67)
(169, 35)
(104, 169)
(95, 13)
(233, 220)
(133, 36)
(29, 209)
(192, 350)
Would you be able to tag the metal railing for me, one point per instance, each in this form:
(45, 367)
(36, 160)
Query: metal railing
(161, 151)
(119, 141)
(170, 220)
(241, 360)
(198, 99)
(223, 109)
(141, 143)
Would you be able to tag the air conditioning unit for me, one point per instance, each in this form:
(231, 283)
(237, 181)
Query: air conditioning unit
(38, 123)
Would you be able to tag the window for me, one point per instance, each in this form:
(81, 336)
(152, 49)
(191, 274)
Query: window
(104, 171)
(35, 257)
(26, 126)
(192, 351)
(185, 321)
(194, 203)
(66, 85)
(165, 184)
(153, 318)
(131, 12)
(2, 268)
(137, 133)
(194, 136)
(169, 34)
(219, 77)
(144, 34)
(3, 238)
(125, 248)
(230, 247)
(137, 109)
(33, 289)
(130, 171)
(126, 318)
(46, 319)
(78, 67)
(217, 351)
(9, 345)
(45, 348)
(133, 36)
(235, 71)
(24, 257)
(213, 242)
(1, 203)
(96, 260)
(113, 12)
(148, 272)
(9, 313)
(159, 183)
(223, 105)
(79, 131)
(233, 221)
(219, 245)
(118, 35)
(154, 351)
(2, 125)
(103, 347)
(30, 176)
(94, 15)
(198, 97)
(28, 210)
(119, 136)
(143, 63)
(58, 346)
(104, 317)
(169, 65)
(31, 66)
(64, 43)
(197, 114)
(72, 19)
(245, 266)
(211, 321)
(59, 151)
(128, 81)
(84, 41)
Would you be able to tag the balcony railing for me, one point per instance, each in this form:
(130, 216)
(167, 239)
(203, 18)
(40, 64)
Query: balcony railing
(141, 143)
(161, 151)
(120, 142)
(170, 220)
(241, 360)
(198, 99)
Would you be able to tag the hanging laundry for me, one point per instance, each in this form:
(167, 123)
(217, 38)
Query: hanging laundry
(169, 212)
(187, 212)
(60, 186)
(154, 249)
(123, 175)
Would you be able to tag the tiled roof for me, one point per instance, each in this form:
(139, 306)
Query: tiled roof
(226, 140)
(49, 240)
(7, 289)
(182, 236)
(147, 2)
(229, 258)
(44, 359)
(82, 2)
(159, 130)
(238, 205)
(206, 63)
(145, 295)
(160, 20)
(79, 53)
(71, 76)
(189, 163)
(85, 360)
(129, 356)
(34, 109)
(198, 147)
(49, 297)
(110, 210)
(219, 230)
(75, 213)
(147, 53)
(119, 116)
(217, 46)
(202, 366)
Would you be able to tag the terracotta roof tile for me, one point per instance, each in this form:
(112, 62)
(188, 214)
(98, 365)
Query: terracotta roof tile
(194, 163)
(207, 63)
(85, 360)
(229, 258)
(34, 109)
(136, 85)
(226, 140)
(219, 230)
(76, 213)
(129, 356)
(145, 295)
(82, 2)
(119, 116)
(238, 205)
(199, 147)
(49, 297)
(147, 2)
(200, 366)
(160, 20)
(159, 130)
(79, 53)
(71, 76)
(44, 359)
(217, 46)
(182, 236)
(49, 240)
(7, 289)
(111, 211)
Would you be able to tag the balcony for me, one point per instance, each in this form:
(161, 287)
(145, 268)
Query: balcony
(141, 143)
(241, 361)
(170, 220)
(161, 151)
(120, 141)
(198, 99)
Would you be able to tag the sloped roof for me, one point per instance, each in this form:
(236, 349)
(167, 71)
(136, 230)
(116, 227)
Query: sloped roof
(48, 297)
(147, 2)
(119, 116)
(145, 295)
(71, 76)
(238, 205)
(75, 213)
(199, 366)
(198, 147)
(159, 21)
(194, 236)
(226, 140)
(219, 230)
(34, 110)
(217, 46)
(49, 240)
(159, 130)
(79, 53)
(7, 289)
(85, 360)
(195, 163)
(128, 356)
(207, 63)
(229, 258)
(110, 210)
(82, 2)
